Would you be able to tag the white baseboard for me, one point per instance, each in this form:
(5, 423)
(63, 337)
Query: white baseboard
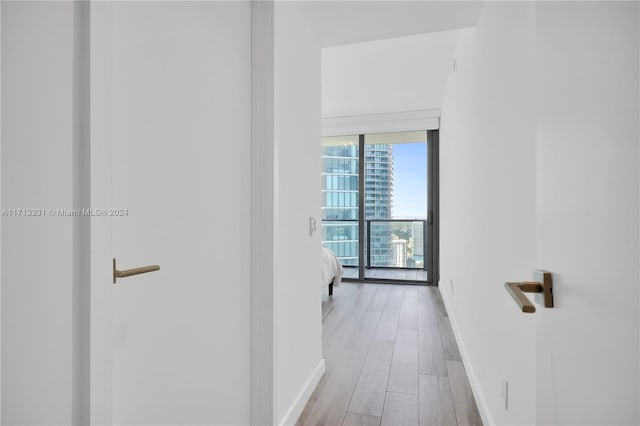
(481, 402)
(296, 408)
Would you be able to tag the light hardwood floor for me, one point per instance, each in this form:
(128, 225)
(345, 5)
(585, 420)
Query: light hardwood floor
(391, 359)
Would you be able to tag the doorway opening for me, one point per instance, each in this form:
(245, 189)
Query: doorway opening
(380, 205)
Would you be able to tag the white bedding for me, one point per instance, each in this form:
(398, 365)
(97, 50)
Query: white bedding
(331, 268)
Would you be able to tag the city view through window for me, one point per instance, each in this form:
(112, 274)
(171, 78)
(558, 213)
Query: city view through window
(395, 199)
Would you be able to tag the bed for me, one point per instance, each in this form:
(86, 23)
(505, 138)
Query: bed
(331, 270)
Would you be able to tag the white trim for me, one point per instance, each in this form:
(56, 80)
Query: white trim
(263, 403)
(481, 401)
(0, 221)
(424, 119)
(292, 414)
(100, 349)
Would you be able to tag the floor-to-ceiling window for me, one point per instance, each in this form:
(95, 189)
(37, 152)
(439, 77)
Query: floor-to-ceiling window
(340, 198)
(378, 203)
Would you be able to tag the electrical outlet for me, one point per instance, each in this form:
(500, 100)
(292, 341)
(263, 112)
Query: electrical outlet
(505, 394)
(451, 286)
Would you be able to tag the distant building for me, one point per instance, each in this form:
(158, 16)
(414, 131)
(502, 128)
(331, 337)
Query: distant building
(340, 201)
(417, 233)
(399, 251)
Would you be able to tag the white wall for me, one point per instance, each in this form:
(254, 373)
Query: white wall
(42, 147)
(392, 75)
(587, 212)
(263, 400)
(554, 187)
(487, 195)
(0, 220)
(299, 363)
(37, 253)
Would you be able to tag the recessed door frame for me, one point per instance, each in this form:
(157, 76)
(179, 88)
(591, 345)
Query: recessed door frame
(433, 205)
(263, 192)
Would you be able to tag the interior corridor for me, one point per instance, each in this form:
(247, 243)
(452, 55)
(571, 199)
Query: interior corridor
(391, 359)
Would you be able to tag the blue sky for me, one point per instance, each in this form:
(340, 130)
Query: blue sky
(410, 180)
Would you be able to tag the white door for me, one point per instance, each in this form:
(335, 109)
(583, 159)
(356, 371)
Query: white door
(171, 120)
(587, 212)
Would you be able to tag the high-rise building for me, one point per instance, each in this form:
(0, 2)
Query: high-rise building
(340, 201)
(399, 252)
(417, 232)
(417, 240)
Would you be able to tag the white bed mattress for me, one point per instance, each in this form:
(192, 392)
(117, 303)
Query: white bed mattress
(331, 268)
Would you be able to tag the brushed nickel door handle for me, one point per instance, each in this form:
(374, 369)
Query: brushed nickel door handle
(134, 271)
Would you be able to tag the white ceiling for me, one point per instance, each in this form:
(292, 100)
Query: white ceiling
(345, 22)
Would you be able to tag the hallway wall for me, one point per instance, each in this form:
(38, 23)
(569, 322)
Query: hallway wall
(37, 252)
(43, 124)
(298, 329)
(539, 169)
(487, 166)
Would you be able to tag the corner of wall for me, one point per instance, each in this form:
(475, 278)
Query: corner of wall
(481, 401)
(293, 412)
(263, 201)
(297, 300)
(501, 231)
(0, 221)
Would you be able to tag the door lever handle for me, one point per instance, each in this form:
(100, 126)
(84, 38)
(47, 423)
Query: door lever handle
(134, 271)
(543, 286)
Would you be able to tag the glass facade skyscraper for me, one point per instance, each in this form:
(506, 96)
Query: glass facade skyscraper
(378, 200)
(340, 201)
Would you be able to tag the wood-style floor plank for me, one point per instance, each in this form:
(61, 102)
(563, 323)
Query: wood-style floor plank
(379, 299)
(436, 298)
(368, 397)
(354, 419)
(347, 295)
(335, 341)
(400, 410)
(388, 325)
(436, 402)
(361, 337)
(383, 383)
(430, 351)
(426, 307)
(331, 406)
(394, 298)
(463, 400)
(328, 303)
(403, 377)
(409, 309)
(315, 395)
(448, 340)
